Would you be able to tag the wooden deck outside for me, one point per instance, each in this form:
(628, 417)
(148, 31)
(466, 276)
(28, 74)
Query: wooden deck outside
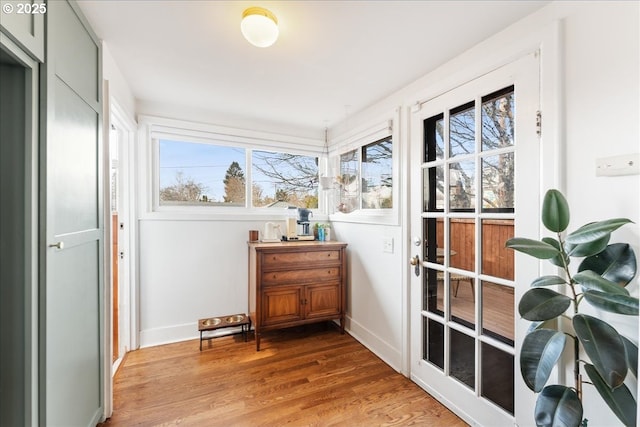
(498, 304)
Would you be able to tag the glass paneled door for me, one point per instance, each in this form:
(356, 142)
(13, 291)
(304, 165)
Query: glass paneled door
(477, 172)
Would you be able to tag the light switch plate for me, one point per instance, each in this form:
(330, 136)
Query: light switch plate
(628, 164)
(387, 245)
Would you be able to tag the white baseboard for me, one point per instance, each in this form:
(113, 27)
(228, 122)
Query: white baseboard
(177, 333)
(390, 355)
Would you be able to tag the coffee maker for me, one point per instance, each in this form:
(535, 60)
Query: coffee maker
(303, 221)
(298, 224)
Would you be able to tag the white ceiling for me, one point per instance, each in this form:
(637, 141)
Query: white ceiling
(333, 58)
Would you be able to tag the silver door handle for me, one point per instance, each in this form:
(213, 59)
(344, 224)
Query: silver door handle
(59, 245)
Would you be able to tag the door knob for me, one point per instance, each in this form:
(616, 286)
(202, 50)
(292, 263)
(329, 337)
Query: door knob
(415, 261)
(59, 245)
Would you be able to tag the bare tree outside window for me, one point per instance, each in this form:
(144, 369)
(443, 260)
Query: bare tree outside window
(185, 189)
(284, 177)
(200, 173)
(377, 175)
(498, 132)
(497, 124)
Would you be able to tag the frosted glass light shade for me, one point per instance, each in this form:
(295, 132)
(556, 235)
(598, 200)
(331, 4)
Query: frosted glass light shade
(259, 26)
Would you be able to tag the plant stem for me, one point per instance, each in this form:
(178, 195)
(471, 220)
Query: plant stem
(565, 267)
(576, 368)
(576, 342)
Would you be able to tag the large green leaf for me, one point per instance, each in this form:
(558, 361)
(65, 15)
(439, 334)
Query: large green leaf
(542, 304)
(604, 346)
(557, 260)
(620, 400)
(616, 263)
(535, 248)
(540, 352)
(632, 356)
(588, 249)
(613, 303)
(595, 230)
(555, 211)
(558, 406)
(593, 281)
(548, 281)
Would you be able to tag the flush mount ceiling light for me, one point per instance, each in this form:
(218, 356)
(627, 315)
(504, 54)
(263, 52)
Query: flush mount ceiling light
(259, 26)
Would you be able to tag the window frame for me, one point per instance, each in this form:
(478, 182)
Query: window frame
(153, 129)
(357, 140)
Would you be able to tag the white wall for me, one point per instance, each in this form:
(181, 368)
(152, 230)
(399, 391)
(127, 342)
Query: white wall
(118, 86)
(224, 119)
(374, 295)
(602, 119)
(191, 269)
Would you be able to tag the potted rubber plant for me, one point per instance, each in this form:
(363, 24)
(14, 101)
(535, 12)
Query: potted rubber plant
(599, 280)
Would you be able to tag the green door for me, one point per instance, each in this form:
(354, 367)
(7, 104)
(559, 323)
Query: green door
(71, 324)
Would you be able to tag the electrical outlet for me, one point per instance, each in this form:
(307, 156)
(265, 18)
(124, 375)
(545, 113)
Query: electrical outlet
(387, 245)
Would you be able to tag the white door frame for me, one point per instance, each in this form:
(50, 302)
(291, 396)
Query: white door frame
(127, 129)
(548, 42)
(115, 115)
(522, 73)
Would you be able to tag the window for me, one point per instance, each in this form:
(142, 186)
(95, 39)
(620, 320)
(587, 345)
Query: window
(366, 177)
(377, 180)
(205, 174)
(200, 174)
(284, 179)
(349, 180)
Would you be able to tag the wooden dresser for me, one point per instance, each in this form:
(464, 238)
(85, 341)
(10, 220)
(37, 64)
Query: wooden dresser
(295, 283)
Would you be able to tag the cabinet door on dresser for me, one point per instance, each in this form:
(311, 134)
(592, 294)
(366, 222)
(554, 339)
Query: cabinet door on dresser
(322, 300)
(281, 304)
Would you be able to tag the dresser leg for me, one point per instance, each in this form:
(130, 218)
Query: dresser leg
(257, 340)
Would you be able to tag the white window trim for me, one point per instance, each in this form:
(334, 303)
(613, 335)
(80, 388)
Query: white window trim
(355, 140)
(152, 129)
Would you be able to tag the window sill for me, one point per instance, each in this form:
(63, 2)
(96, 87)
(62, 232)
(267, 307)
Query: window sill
(223, 214)
(364, 217)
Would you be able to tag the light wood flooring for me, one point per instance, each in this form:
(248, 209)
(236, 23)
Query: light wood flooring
(306, 376)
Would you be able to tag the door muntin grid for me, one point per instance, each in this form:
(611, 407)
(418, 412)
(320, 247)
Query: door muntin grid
(468, 194)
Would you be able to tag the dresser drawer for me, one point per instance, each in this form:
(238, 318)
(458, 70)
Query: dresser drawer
(278, 259)
(301, 276)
